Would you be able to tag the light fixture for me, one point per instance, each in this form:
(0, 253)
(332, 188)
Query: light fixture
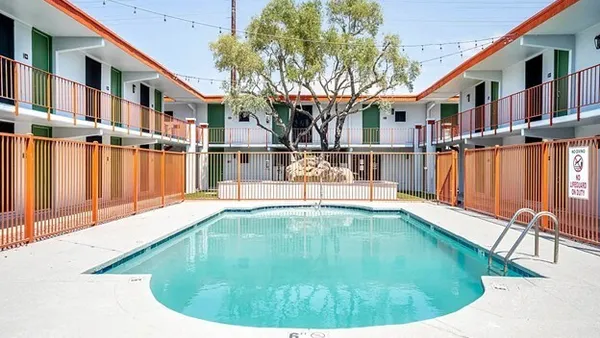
(133, 88)
(597, 41)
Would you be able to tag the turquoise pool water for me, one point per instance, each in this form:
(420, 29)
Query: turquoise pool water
(303, 268)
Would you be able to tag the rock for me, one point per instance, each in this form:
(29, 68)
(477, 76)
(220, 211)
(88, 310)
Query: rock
(317, 169)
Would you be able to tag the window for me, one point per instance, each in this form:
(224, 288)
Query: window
(400, 115)
(244, 116)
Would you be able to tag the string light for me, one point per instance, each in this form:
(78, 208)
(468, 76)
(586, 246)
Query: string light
(246, 33)
(452, 54)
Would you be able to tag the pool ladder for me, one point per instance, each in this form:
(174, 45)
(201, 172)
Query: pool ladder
(533, 222)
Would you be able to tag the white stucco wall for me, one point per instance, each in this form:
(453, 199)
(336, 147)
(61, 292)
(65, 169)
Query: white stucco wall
(70, 65)
(22, 36)
(586, 55)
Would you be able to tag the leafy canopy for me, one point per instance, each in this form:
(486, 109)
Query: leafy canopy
(326, 50)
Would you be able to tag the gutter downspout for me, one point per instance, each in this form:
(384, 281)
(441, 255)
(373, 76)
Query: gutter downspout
(430, 106)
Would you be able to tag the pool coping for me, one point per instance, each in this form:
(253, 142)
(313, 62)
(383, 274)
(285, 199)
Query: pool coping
(447, 235)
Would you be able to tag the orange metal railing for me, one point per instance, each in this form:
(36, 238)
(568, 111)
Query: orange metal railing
(499, 181)
(54, 186)
(22, 85)
(568, 95)
(446, 177)
(349, 136)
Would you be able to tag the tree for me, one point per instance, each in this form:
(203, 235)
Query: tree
(327, 52)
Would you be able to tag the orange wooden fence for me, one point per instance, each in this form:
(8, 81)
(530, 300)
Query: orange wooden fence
(54, 186)
(499, 181)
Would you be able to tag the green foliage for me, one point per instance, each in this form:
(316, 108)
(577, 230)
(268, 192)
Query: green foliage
(314, 48)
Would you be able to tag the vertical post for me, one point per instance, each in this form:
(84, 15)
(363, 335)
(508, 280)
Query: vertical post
(371, 176)
(510, 111)
(48, 100)
(437, 176)
(471, 123)
(29, 188)
(453, 179)
(95, 112)
(496, 181)
(551, 98)
(128, 118)
(183, 173)
(74, 104)
(113, 106)
(578, 96)
(16, 86)
(136, 159)
(545, 181)
(95, 183)
(239, 175)
(162, 177)
(304, 171)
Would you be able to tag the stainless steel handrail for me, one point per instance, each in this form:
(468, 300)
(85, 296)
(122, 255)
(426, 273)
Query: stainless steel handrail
(512, 221)
(533, 222)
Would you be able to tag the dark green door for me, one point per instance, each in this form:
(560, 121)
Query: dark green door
(215, 166)
(561, 70)
(158, 102)
(43, 167)
(448, 109)
(284, 115)
(370, 124)
(216, 123)
(41, 45)
(116, 141)
(116, 89)
(494, 105)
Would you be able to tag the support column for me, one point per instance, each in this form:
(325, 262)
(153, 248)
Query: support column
(418, 161)
(191, 163)
(202, 158)
(431, 159)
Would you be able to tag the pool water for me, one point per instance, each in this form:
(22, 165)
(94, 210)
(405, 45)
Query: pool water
(307, 268)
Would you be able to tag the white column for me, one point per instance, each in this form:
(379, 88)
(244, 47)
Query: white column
(202, 173)
(190, 160)
(431, 159)
(418, 161)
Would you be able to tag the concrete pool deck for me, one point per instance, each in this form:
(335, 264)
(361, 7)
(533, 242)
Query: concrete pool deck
(44, 293)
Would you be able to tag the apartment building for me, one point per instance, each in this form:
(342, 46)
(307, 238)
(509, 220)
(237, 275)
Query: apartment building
(65, 75)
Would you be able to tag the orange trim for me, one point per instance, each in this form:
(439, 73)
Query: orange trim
(539, 18)
(91, 23)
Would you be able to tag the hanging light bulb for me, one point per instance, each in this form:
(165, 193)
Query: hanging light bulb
(475, 43)
(134, 10)
(459, 45)
(165, 18)
(440, 60)
(192, 24)
(220, 30)
(461, 54)
(440, 47)
(104, 2)
(422, 48)
(403, 49)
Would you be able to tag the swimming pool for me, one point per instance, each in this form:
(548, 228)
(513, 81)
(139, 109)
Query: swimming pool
(299, 267)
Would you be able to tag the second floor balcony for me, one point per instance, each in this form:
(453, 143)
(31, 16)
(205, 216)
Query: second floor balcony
(23, 86)
(350, 137)
(566, 99)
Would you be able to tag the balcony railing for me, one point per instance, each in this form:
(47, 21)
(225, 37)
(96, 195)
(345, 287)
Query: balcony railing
(22, 85)
(350, 136)
(568, 95)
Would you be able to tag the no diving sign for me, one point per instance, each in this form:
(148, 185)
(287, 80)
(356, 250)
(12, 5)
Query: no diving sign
(578, 172)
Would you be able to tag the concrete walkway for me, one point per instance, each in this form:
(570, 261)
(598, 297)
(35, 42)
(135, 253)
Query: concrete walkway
(43, 292)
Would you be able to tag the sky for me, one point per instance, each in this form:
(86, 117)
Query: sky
(184, 50)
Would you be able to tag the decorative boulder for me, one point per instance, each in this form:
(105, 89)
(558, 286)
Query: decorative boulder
(316, 170)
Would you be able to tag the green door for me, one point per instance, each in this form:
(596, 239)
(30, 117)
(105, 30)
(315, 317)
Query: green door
(449, 114)
(284, 115)
(215, 167)
(494, 105)
(158, 102)
(43, 168)
(561, 70)
(370, 124)
(116, 141)
(216, 123)
(41, 45)
(116, 89)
